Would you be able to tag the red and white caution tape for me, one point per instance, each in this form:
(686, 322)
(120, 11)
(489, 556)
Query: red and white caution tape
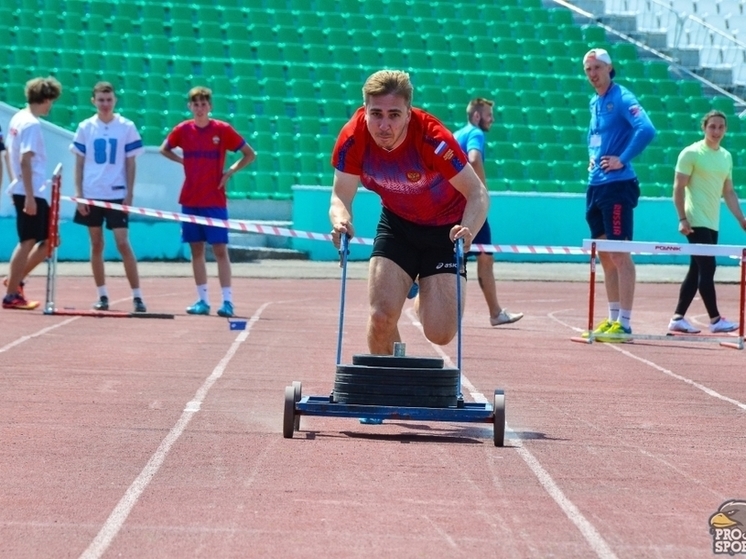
(250, 227)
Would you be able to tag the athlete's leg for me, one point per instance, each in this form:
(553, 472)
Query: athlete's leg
(199, 268)
(121, 237)
(486, 278)
(36, 256)
(688, 288)
(626, 276)
(18, 265)
(97, 255)
(388, 285)
(224, 263)
(437, 308)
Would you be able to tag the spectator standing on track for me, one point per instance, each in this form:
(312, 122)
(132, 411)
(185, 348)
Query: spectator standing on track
(28, 159)
(204, 142)
(431, 197)
(472, 140)
(105, 147)
(704, 175)
(619, 131)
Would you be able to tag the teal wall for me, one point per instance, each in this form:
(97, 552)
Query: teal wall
(515, 219)
(151, 240)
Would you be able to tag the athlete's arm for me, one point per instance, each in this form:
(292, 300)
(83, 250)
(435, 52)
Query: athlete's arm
(477, 203)
(130, 168)
(79, 166)
(168, 152)
(475, 158)
(344, 189)
(680, 182)
(644, 131)
(6, 156)
(29, 206)
(731, 200)
(247, 156)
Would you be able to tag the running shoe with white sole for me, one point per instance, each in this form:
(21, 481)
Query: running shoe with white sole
(615, 334)
(506, 317)
(200, 307)
(682, 325)
(723, 325)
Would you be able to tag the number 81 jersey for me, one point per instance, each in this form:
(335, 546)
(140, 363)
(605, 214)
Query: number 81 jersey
(105, 147)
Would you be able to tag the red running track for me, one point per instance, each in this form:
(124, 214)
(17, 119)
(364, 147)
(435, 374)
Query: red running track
(162, 438)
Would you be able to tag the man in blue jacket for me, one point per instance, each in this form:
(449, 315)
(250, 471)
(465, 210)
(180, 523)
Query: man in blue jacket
(619, 130)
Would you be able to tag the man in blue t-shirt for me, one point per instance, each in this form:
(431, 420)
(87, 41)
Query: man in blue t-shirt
(619, 130)
(471, 138)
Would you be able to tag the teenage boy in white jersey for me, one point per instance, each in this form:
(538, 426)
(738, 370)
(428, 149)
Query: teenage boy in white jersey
(28, 160)
(105, 147)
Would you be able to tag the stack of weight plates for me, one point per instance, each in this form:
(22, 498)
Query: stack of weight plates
(386, 380)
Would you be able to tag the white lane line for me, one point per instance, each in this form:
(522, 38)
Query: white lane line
(702, 387)
(119, 515)
(41, 332)
(589, 532)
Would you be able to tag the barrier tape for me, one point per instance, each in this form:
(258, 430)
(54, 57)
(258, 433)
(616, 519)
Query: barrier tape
(249, 227)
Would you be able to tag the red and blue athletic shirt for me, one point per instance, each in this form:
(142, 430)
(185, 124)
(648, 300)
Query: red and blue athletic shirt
(204, 160)
(412, 180)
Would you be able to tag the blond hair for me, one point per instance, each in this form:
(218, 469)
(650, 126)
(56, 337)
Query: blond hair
(477, 104)
(39, 90)
(200, 93)
(388, 82)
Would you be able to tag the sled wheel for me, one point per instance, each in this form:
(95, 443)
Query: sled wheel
(298, 388)
(499, 426)
(288, 419)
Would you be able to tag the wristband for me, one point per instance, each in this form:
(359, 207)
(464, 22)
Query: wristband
(682, 219)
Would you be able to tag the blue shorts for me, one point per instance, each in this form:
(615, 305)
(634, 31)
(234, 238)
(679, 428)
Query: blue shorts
(483, 237)
(195, 233)
(608, 209)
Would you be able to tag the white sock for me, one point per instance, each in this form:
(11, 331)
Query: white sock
(102, 291)
(227, 294)
(613, 311)
(137, 293)
(624, 317)
(202, 293)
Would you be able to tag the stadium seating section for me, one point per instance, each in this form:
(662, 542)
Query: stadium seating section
(288, 74)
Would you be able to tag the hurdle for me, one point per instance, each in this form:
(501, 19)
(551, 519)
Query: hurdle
(53, 243)
(656, 248)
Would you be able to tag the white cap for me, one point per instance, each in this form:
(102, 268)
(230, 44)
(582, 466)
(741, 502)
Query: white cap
(601, 55)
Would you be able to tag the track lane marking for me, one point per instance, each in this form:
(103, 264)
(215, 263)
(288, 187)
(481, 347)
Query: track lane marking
(695, 384)
(119, 515)
(589, 532)
(41, 332)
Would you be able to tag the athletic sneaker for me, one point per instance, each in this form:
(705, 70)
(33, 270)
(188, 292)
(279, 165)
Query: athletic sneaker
(615, 334)
(600, 329)
(682, 325)
(200, 307)
(723, 325)
(138, 305)
(226, 311)
(18, 301)
(20, 286)
(413, 291)
(102, 304)
(371, 420)
(506, 317)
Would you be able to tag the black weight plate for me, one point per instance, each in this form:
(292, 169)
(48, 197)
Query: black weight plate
(415, 374)
(393, 380)
(388, 400)
(401, 390)
(398, 362)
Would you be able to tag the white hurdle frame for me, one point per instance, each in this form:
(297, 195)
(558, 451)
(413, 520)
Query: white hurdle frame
(693, 249)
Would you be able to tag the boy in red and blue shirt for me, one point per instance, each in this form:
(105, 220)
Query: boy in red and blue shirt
(204, 142)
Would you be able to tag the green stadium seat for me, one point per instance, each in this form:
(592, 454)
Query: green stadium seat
(512, 169)
(665, 87)
(724, 105)
(571, 33)
(595, 37)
